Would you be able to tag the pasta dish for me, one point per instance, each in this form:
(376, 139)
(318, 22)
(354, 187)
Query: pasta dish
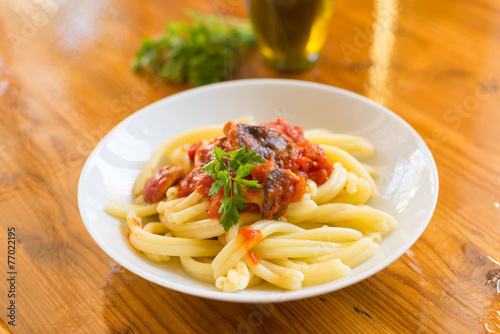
(241, 203)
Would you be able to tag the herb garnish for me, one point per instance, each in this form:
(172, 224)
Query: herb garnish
(200, 53)
(228, 169)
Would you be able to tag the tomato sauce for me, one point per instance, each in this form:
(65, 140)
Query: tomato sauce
(290, 160)
(294, 132)
(214, 205)
(251, 234)
(251, 237)
(282, 146)
(155, 187)
(196, 180)
(254, 258)
(193, 148)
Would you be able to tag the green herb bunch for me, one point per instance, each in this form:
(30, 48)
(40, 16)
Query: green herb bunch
(200, 53)
(229, 170)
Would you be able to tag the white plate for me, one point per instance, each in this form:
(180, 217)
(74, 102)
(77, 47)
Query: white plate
(407, 175)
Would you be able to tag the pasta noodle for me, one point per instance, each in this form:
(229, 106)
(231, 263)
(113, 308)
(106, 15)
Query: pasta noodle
(313, 239)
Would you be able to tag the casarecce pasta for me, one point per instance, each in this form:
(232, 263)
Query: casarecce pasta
(309, 223)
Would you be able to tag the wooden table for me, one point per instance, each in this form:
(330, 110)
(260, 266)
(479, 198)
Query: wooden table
(65, 81)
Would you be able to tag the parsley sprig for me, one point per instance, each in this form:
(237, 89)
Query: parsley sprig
(229, 170)
(202, 52)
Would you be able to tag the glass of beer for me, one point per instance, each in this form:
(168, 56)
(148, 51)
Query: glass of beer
(291, 33)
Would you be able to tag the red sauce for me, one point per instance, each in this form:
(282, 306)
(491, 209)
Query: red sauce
(156, 186)
(259, 172)
(282, 146)
(135, 222)
(289, 158)
(251, 238)
(294, 132)
(254, 258)
(193, 148)
(251, 234)
(311, 160)
(215, 204)
(196, 180)
(252, 208)
(203, 151)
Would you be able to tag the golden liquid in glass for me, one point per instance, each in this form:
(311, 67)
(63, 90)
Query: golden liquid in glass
(291, 33)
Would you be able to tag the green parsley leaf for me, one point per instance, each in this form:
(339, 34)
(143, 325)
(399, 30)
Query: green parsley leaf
(239, 203)
(235, 165)
(238, 189)
(216, 187)
(237, 154)
(209, 168)
(230, 214)
(219, 153)
(228, 169)
(250, 184)
(254, 159)
(244, 170)
(223, 175)
(227, 189)
(203, 52)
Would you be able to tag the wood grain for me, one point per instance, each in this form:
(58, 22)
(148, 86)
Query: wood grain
(65, 81)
